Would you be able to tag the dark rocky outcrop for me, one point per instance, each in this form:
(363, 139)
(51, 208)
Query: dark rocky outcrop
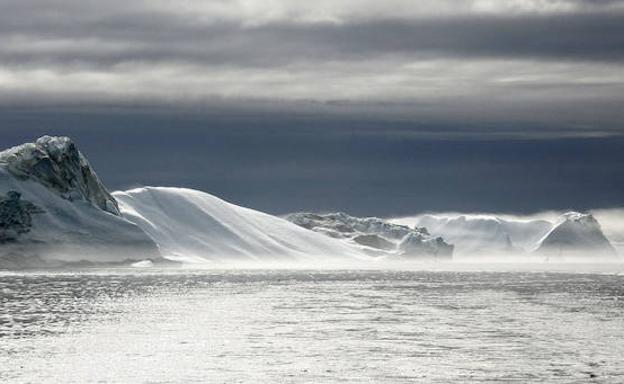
(15, 216)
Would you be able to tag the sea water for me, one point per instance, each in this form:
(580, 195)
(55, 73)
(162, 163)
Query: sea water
(311, 326)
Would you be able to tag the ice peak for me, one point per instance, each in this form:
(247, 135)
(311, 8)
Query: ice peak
(576, 232)
(585, 218)
(57, 163)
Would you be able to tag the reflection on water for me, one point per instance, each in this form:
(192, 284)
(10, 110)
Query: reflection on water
(310, 326)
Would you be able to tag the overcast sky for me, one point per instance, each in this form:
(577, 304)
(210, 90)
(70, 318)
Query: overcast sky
(368, 106)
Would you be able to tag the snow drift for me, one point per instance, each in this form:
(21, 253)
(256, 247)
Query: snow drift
(193, 226)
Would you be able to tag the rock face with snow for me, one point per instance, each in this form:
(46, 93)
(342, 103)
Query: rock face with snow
(55, 210)
(576, 235)
(193, 226)
(56, 163)
(376, 235)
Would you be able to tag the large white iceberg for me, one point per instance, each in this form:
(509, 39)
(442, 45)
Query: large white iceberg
(55, 210)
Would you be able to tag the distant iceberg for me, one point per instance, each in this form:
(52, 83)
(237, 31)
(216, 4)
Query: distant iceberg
(485, 234)
(572, 235)
(376, 236)
(576, 235)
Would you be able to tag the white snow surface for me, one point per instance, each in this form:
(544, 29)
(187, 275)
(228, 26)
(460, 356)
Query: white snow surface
(612, 223)
(193, 226)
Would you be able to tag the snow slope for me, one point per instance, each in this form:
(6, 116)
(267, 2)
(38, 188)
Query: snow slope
(612, 223)
(72, 218)
(193, 226)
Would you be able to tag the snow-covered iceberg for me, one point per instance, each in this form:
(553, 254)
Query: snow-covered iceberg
(55, 210)
(193, 226)
(376, 236)
(576, 235)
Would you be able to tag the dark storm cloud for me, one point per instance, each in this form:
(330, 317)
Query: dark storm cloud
(109, 40)
(447, 60)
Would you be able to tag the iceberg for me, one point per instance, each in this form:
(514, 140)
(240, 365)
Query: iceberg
(376, 236)
(576, 235)
(54, 210)
(573, 234)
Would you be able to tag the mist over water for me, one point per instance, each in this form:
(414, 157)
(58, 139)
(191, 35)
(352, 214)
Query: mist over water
(436, 323)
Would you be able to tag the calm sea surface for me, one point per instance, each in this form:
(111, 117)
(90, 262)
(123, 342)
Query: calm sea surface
(181, 326)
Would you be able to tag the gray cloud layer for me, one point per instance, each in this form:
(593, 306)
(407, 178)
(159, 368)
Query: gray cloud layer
(556, 62)
(155, 37)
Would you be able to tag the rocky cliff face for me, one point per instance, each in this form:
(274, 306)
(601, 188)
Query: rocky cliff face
(56, 163)
(376, 234)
